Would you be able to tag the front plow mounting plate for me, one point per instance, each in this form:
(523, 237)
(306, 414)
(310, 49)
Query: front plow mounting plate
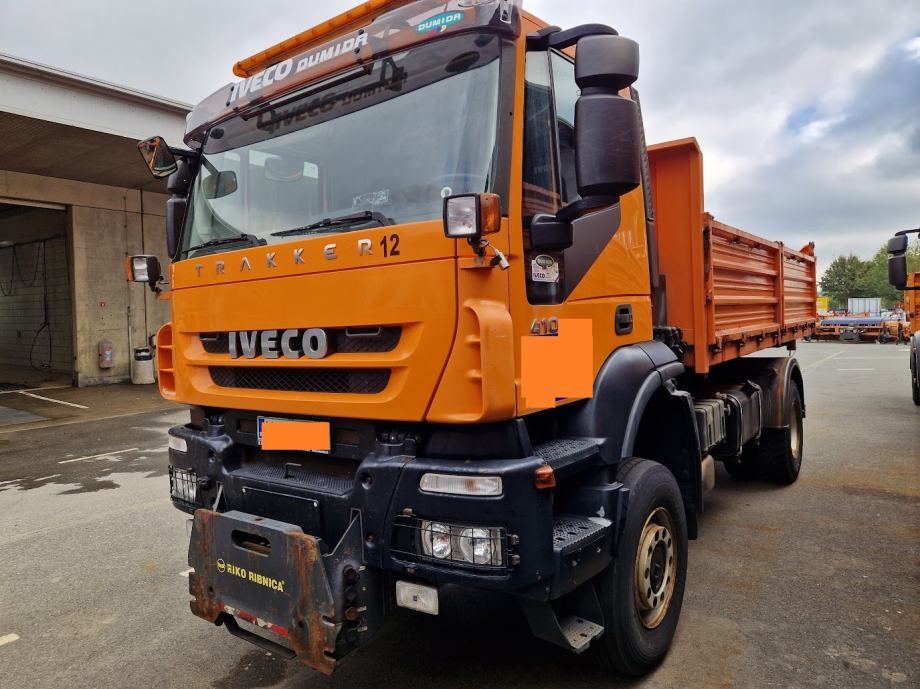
(268, 572)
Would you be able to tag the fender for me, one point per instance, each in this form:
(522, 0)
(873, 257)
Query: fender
(622, 389)
(634, 380)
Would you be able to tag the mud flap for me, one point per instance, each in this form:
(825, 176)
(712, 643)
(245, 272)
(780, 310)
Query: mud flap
(272, 574)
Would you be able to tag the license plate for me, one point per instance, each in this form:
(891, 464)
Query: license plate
(288, 434)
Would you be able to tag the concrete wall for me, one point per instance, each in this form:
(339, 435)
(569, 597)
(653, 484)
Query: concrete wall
(104, 225)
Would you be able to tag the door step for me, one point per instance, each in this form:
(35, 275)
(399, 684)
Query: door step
(579, 632)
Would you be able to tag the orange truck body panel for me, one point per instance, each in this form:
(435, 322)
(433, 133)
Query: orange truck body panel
(912, 302)
(730, 292)
(459, 359)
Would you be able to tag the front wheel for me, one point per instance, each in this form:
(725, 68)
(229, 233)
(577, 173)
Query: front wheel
(641, 592)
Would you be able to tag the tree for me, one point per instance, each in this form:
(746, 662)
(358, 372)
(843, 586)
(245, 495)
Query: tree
(842, 279)
(851, 276)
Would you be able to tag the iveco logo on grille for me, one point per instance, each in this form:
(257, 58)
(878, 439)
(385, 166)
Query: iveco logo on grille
(272, 344)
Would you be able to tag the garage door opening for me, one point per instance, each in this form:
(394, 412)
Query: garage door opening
(36, 310)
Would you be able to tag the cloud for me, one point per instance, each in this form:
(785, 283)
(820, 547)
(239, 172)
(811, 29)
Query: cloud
(806, 110)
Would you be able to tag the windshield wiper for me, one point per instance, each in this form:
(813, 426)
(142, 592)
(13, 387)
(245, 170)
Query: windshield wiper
(241, 238)
(350, 219)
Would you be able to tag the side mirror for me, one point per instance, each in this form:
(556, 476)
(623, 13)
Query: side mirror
(470, 216)
(219, 184)
(144, 269)
(897, 261)
(607, 126)
(156, 154)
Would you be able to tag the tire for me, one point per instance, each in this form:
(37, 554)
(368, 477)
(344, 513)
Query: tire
(639, 627)
(915, 385)
(780, 450)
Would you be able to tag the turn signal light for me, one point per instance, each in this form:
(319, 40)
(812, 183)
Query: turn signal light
(544, 477)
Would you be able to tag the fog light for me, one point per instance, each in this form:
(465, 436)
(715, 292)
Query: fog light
(178, 444)
(478, 546)
(417, 597)
(436, 540)
(452, 484)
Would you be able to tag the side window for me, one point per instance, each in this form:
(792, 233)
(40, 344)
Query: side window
(566, 92)
(541, 193)
(550, 93)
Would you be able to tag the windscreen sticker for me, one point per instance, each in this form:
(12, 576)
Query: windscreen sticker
(440, 22)
(372, 198)
(279, 72)
(544, 268)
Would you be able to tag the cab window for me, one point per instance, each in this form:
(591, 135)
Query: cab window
(550, 93)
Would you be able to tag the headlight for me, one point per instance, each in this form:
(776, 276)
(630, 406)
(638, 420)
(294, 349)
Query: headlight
(473, 545)
(478, 546)
(436, 540)
(183, 486)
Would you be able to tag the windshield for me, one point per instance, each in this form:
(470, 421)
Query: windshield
(376, 145)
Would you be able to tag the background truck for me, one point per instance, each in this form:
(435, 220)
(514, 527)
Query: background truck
(910, 284)
(531, 404)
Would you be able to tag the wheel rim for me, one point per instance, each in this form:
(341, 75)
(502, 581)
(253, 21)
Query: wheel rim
(656, 568)
(795, 432)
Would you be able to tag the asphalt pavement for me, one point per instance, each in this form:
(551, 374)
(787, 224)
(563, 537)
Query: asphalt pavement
(812, 585)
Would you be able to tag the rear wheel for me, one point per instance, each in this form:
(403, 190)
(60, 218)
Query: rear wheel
(641, 592)
(780, 449)
(915, 384)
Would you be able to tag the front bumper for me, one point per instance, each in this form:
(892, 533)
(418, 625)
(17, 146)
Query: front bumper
(384, 490)
(318, 524)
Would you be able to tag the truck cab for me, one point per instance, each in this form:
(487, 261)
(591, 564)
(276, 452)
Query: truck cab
(421, 320)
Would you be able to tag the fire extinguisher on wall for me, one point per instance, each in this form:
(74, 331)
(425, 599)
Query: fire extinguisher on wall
(106, 354)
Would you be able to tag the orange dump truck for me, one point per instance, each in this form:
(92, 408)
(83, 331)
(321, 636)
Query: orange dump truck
(442, 317)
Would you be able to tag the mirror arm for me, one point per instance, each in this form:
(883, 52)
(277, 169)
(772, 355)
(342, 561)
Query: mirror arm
(184, 153)
(554, 37)
(916, 230)
(589, 203)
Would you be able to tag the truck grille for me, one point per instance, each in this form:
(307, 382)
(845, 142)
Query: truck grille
(345, 340)
(362, 381)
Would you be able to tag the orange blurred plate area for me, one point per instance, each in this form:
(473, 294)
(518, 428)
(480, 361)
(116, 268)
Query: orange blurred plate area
(286, 434)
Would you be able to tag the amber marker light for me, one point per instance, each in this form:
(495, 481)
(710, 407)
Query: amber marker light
(544, 477)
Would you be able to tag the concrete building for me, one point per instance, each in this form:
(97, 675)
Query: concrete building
(75, 199)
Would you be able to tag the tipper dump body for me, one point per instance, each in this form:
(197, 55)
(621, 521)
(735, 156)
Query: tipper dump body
(730, 292)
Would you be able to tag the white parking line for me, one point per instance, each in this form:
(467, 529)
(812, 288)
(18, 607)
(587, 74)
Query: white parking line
(50, 387)
(48, 399)
(45, 478)
(8, 639)
(186, 572)
(100, 456)
(821, 361)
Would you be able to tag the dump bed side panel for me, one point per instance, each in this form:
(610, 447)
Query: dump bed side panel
(731, 292)
(677, 190)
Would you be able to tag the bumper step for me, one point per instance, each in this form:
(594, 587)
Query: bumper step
(322, 483)
(571, 533)
(579, 632)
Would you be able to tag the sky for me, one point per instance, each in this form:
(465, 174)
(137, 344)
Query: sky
(807, 111)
